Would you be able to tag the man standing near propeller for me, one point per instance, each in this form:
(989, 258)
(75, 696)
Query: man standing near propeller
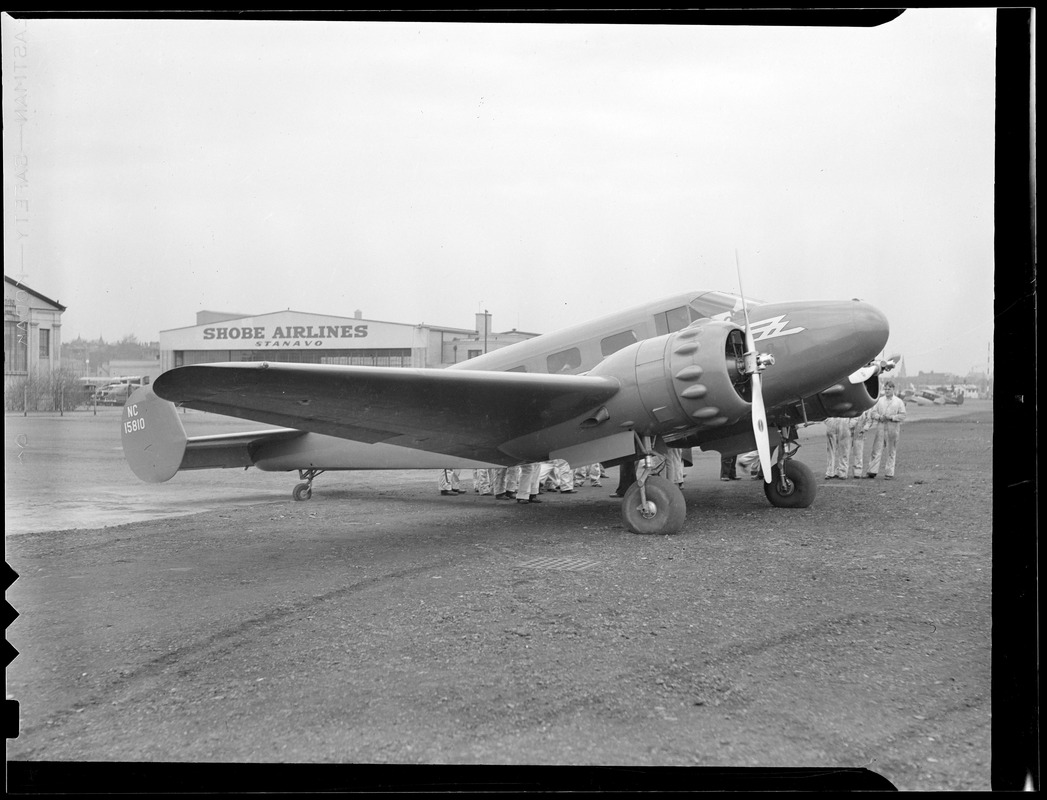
(859, 425)
(887, 414)
(837, 447)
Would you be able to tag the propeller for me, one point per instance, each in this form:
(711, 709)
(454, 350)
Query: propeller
(753, 366)
(875, 367)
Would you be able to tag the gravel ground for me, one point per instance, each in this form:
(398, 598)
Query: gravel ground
(389, 625)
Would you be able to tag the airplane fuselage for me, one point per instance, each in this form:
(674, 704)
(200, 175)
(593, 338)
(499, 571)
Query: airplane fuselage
(812, 344)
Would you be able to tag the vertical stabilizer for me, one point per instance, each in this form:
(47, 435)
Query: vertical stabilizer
(152, 435)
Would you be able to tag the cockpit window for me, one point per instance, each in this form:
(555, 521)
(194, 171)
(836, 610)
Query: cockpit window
(721, 304)
(678, 318)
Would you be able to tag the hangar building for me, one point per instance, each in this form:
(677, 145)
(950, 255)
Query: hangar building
(299, 337)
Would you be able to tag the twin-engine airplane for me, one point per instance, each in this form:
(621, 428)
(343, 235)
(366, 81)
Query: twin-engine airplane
(683, 372)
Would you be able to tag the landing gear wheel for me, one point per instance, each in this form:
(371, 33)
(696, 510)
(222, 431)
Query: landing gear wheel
(664, 512)
(800, 486)
(303, 491)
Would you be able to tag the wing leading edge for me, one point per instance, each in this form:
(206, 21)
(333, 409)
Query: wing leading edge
(463, 413)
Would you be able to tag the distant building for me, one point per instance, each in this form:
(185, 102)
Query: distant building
(32, 331)
(147, 370)
(99, 359)
(305, 338)
(483, 340)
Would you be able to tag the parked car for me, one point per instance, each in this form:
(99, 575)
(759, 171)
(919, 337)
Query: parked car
(116, 392)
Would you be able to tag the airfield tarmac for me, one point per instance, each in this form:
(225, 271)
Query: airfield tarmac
(214, 619)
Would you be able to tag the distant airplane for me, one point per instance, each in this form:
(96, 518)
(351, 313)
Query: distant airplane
(925, 396)
(683, 372)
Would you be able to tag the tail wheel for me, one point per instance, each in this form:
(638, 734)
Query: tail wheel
(664, 511)
(799, 490)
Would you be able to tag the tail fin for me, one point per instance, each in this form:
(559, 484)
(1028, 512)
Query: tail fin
(152, 435)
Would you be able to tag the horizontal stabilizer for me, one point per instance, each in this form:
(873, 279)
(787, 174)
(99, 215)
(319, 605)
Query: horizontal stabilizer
(231, 449)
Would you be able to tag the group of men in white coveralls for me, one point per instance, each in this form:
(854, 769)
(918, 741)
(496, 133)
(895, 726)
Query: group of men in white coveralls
(524, 483)
(845, 439)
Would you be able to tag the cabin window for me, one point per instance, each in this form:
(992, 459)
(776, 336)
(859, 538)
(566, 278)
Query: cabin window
(565, 360)
(612, 344)
(520, 368)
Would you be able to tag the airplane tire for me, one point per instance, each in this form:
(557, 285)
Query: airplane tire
(802, 486)
(302, 491)
(665, 499)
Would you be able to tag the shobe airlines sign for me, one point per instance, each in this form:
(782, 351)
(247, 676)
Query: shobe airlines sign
(285, 335)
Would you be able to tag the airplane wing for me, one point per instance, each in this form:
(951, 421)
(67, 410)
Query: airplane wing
(466, 413)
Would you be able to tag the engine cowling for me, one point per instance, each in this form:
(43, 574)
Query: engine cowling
(689, 379)
(844, 399)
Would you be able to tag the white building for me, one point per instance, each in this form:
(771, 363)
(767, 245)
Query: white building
(32, 331)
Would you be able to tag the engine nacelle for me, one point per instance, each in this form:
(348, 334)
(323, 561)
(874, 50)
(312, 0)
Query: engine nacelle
(689, 379)
(844, 399)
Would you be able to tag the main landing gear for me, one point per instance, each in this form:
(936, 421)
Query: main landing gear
(304, 490)
(653, 504)
(792, 483)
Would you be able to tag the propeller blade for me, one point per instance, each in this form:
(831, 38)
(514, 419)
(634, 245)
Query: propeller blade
(763, 445)
(750, 346)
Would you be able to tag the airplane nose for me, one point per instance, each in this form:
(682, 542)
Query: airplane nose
(871, 323)
(820, 341)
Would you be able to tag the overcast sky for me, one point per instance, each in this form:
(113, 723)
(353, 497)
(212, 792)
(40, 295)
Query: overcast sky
(422, 172)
